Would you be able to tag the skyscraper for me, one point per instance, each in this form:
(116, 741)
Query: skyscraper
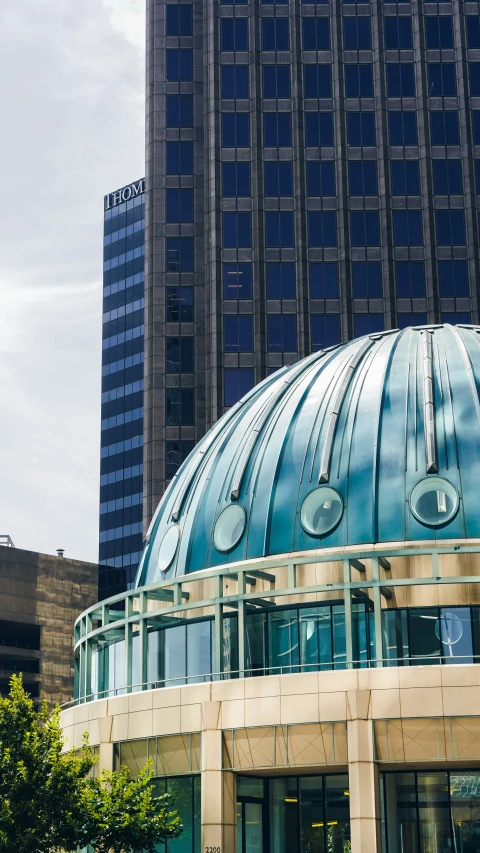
(121, 467)
(311, 176)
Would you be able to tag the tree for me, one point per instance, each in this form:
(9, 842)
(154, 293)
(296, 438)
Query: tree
(49, 802)
(126, 815)
(41, 790)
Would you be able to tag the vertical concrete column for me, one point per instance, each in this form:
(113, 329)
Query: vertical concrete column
(218, 786)
(363, 781)
(105, 757)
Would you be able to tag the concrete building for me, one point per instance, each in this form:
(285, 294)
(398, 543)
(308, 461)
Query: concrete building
(311, 177)
(300, 656)
(121, 464)
(40, 598)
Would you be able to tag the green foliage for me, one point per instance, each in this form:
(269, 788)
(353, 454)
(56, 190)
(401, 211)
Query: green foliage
(126, 815)
(48, 801)
(41, 790)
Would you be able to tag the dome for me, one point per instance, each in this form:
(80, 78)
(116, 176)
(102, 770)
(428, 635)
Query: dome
(376, 440)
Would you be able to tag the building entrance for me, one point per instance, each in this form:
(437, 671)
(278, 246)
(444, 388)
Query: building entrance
(293, 814)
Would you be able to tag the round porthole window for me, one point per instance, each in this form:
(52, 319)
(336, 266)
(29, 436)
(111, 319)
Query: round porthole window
(321, 511)
(229, 527)
(168, 548)
(434, 501)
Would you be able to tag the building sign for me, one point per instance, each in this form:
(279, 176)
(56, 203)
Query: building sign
(125, 194)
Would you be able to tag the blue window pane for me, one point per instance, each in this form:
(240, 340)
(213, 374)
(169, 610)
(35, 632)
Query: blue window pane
(398, 32)
(405, 177)
(453, 278)
(473, 31)
(367, 324)
(179, 356)
(276, 81)
(405, 320)
(237, 281)
(322, 228)
(238, 333)
(444, 128)
(361, 129)
(320, 178)
(438, 32)
(234, 34)
(179, 405)
(318, 81)
(319, 129)
(179, 205)
(410, 279)
(179, 110)
(235, 130)
(362, 177)
(476, 126)
(179, 304)
(175, 453)
(357, 34)
(402, 128)
(237, 382)
(367, 279)
(441, 79)
(316, 33)
(476, 164)
(450, 227)
(278, 179)
(179, 66)
(236, 180)
(179, 19)
(447, 177)
(407, 228)
(455, 317)
(474, 74)
(282, 333)
(277, 130)
(279, 229)
(179, 254)
(365, 228)
(179, 158)
(275, 34)
(324, 330)
(400, 80)
(281, 280)
(358, 81)
(234, 81)
(237, 230)
(323, 280)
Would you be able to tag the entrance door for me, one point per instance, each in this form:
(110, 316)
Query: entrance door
(249, 827)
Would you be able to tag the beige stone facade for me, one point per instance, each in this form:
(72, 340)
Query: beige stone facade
(413, 699)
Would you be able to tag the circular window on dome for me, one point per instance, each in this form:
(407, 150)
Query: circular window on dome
(229, 527)
(321, 511)
(168, 548)
(434, 501)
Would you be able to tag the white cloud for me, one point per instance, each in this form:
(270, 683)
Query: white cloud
(72, 96)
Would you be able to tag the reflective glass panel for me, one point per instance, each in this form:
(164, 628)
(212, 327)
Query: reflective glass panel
(283, 641)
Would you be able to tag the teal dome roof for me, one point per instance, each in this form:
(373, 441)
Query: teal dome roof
(376, 440)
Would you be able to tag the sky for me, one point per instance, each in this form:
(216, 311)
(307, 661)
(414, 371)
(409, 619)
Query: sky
(72, 107)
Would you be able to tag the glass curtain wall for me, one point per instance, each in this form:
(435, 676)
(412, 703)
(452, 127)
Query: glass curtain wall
(306, 638)
(431, 812)
(293, 814)
(431, 635)
(185, 791)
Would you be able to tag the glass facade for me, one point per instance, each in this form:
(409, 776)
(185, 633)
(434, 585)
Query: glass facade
(431, 812)
(121, 462)
(345, 139)
(281, 640)
(293, 814)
